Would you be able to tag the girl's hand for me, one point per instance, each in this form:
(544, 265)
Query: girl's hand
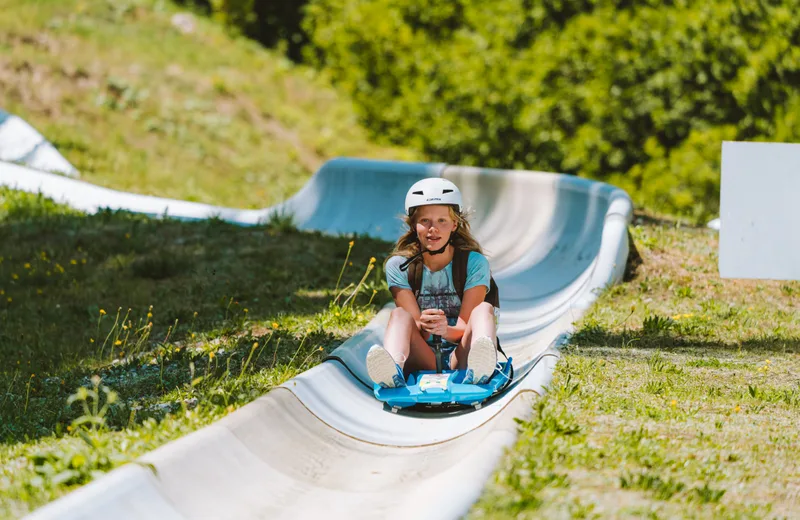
(434, 321)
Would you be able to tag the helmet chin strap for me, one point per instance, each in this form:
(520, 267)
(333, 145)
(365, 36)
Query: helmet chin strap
(404, 265)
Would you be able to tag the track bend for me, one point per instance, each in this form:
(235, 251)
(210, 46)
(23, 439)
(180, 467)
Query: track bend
(320, 445)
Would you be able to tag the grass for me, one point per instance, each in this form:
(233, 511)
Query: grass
(136, 104)
(678, 397)
(119, 333)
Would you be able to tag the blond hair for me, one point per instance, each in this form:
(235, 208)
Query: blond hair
(408, 245)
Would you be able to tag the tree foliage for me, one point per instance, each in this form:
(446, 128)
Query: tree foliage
(637, 92)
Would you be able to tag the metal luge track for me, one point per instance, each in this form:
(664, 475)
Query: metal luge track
(321, 445)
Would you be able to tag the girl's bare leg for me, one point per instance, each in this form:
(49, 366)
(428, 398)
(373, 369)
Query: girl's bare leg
(405, 344)
(481, 323)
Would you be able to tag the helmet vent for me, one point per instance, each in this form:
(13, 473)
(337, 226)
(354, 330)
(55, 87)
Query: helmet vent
(447, 191)
(418, 193)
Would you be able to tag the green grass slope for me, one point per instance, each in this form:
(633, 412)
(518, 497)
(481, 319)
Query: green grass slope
(119, 333)
(139, 105)
(678, 397)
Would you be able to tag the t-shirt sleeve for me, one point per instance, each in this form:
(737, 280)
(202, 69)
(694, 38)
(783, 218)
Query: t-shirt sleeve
(394, 276)
(478, 271)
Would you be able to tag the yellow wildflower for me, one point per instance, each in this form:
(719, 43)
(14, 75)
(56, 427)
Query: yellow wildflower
(274, 325)
(352, 243)
(246, 311)
(73, 262)
(768, 361)
(83, 260)
(149, 314)
(10, 299)
(15, 276)
(102, 312)
(673, 403)
(372, 260)
(39, 291)
(118, 342)
(127, 235)
(91, 340)
(27, 265)
(737, 409)
(210, 355)
(2, 292)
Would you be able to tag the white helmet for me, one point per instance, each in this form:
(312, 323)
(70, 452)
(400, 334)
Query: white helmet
(434, 190)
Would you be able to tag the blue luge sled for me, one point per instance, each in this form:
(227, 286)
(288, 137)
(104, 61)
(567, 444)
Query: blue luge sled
(428, 387)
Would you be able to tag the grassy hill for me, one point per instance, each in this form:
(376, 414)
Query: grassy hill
(137, 104)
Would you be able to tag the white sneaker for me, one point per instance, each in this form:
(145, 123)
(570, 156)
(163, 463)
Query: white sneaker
(481, 361)
(382, 369)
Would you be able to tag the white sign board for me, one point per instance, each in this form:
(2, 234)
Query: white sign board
(760, 211)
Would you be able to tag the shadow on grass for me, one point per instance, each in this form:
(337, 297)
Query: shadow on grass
(594, 335)
(77, 292)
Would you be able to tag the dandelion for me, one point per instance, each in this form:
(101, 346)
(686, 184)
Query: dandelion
(194, 315)
(150, 324)
(192, 335)
(246, 311)
(274, 325)
(673, 403)
(73, 262)
(2, 292)
(27, 265)
(10, 299)
(124, 327)
(321, 349)
(102, 312)
(91, 340)
(351, 263)
(768, 362)
(372, 260)
(210, 356)
(15, 276)
(337, 314)
(118, 342)
(149, 314)
(69, 428)
(352, 243)
(359, 316)
(737, 409)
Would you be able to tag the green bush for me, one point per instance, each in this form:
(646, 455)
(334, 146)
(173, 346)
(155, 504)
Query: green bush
(639, 93)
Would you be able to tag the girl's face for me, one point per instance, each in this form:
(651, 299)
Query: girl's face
(434, 225)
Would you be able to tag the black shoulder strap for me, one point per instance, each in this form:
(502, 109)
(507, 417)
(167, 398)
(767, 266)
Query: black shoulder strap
(415, 277)
(460, 259)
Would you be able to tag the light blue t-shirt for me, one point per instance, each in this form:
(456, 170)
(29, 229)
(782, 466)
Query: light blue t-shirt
(438, 291)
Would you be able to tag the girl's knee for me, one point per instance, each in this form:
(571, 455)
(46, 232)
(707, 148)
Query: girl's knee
(482, 309)
(400, 313)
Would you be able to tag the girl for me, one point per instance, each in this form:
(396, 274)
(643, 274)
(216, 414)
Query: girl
(467, 326)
